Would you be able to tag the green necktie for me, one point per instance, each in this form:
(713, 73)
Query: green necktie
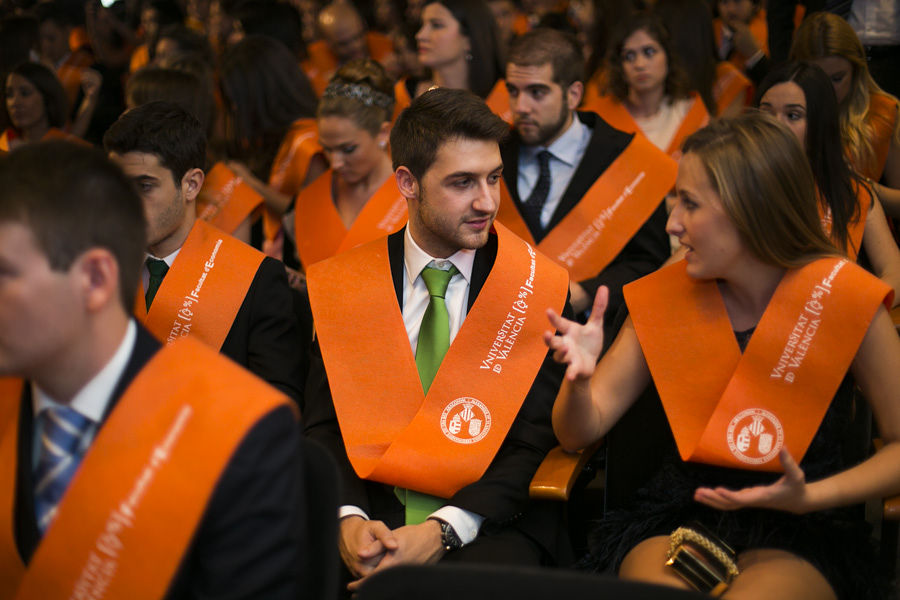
(158, 269)
(434, 332)
(434, 340)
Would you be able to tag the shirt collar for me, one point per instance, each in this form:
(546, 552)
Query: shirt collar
(415, 259)
(567, 146)
(168, 259)
(91, 400)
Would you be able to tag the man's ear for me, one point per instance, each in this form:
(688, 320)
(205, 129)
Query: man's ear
(574, 94)
(406, 181)
(191, 184)
(98, 273)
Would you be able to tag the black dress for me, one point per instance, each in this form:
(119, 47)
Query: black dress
(836, 542)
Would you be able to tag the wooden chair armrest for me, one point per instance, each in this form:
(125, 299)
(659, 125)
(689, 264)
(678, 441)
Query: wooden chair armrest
(558, 471)
(891, 509)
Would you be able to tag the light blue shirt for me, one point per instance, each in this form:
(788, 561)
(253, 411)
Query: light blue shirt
(566, 153)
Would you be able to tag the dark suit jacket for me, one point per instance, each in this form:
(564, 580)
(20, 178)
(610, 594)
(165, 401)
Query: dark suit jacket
(246, 545)
(501, 495)
(265, 336)
(646, 250)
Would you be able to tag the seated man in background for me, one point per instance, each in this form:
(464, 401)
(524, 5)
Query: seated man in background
(198, 281)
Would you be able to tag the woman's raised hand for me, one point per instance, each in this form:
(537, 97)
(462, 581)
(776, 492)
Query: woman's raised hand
(578, 346)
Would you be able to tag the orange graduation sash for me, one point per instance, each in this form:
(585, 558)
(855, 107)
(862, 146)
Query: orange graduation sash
(498, 101)
(203, 290)
(730, 83)
(134, 504)
(857, 229)
(738, 410)
(608, 215)
(320, 231)
(11, 567)
(438, 443)
(402, 98)
(615, 113)
(290, 166)
(882, 118)
(226, 201)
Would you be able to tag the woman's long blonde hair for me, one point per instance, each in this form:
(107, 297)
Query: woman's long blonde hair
(826, 34)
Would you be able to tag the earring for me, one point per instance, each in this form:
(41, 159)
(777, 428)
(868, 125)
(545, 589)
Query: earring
(468, 57)
(382, 144)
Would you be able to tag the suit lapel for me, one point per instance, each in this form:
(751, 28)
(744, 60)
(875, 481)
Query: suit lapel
(26, 531)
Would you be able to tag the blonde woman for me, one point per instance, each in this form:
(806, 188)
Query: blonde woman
(869, 123)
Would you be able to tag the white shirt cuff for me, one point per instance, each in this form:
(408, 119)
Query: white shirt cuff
(465, 523)
(348, 510)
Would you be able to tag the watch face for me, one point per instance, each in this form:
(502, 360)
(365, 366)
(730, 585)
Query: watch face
(449, 538)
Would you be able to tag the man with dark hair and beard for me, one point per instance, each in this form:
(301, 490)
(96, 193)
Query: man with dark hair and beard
(588, 195)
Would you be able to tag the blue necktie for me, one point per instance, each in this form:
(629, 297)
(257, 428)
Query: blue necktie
(61, 435)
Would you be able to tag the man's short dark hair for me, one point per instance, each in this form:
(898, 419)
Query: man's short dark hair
(163, 129)
(543, 46)
(437, 117)
(73, 198)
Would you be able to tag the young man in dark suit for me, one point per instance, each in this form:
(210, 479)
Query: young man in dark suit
(437, 441)
(163, 149)
(128, 469)
(545, 79)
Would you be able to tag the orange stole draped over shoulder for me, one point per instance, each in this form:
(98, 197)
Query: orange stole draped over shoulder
(300, 145)
(857, 229)
(11, 567)
(226, 201)
(608, 215)
(203, 290)
(52, 134)
(738, 410)
(882, 118)
(133, 506)
(402, 99)
(438, 443)
(320, 231)
(498, 101)
(615, 113)
(730, 84)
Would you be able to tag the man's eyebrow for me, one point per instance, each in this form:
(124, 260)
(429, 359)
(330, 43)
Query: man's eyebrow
(458, 174)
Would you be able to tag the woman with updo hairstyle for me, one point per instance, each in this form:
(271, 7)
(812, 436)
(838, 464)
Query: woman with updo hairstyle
(752, 344)
(646, 88)
(356, 199)
(269, 126)
(800, 95)
(36, 106)
(458, 44)
(870, 128)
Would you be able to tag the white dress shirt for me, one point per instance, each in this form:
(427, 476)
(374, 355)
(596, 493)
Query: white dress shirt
(415, 301)
(145, 272)
(566, 153)
(90, 401)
